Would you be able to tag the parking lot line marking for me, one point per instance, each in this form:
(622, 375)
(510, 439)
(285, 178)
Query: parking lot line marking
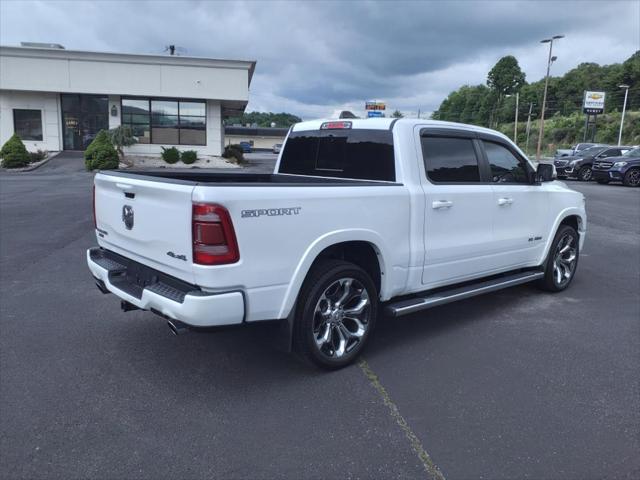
(432, 470)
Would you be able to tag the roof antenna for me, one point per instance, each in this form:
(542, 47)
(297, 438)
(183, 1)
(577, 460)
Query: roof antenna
(173, 50)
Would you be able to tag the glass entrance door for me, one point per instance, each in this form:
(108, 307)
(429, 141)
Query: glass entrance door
(83, 116)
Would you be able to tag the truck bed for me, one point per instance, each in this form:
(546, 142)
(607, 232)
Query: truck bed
(196, 177)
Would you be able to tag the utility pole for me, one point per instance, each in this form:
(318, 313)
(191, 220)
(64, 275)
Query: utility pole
(526, 148)
(546, 85)
(515, 125)
(624, 108)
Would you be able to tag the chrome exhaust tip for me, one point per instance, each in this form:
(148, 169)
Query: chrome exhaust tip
(177, 327)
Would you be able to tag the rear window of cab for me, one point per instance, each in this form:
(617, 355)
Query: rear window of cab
(363, 154)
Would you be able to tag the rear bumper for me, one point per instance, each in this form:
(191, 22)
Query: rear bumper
(164, 294)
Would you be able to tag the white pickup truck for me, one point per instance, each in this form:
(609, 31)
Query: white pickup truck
(359, 217)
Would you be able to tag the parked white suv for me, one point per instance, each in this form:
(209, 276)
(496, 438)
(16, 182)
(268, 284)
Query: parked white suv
(360, 216)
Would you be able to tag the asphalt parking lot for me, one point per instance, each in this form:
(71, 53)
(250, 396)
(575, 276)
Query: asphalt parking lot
(515, 384)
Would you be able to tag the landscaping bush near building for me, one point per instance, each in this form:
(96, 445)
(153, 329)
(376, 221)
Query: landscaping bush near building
(189, 156)
(233, 153)
(106, 159)
(39, 155)
(14, 154)
(121, 137)
(170, 155)
(101, 154)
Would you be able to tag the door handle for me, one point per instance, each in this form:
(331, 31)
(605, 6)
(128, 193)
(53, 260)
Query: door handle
(505, 201)
(438, 204)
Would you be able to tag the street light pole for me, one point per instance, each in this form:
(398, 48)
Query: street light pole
(526, 147)
(515, 125)
(624, 107)
(546, 85)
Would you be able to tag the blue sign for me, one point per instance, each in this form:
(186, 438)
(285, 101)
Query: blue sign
(375, 113)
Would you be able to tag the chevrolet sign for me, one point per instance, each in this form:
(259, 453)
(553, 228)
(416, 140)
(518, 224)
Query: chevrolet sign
(593, 103)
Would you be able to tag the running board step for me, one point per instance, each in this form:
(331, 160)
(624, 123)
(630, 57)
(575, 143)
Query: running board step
(415, 304)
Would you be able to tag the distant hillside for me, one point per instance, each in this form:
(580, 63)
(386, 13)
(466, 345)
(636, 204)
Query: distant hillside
(565, 131)
(264, 119)
(482, 105)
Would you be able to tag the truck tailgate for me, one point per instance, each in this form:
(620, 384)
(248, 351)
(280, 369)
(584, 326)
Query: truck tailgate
(147, 221)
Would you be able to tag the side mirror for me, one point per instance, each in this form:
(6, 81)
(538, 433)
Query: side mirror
(545, 172)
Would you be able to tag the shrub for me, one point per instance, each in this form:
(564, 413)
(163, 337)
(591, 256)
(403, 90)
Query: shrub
(92, 149)
(106, 158)
(189, 156)
(234, 151)
(101, 153)
(14, 154)
(121, 137)
(39, 155)
(170, 155)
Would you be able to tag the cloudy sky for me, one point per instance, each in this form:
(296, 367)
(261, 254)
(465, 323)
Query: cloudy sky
(317, 57)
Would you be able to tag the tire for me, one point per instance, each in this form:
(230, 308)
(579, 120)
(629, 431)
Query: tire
(561, 264)
(322, 333)
(602, 181)
(632, 177)
(585, 174)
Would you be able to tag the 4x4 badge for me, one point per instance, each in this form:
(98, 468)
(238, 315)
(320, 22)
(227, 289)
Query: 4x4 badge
(127, 216)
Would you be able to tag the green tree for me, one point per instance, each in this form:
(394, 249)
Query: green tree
(397, 114)
(506, 77)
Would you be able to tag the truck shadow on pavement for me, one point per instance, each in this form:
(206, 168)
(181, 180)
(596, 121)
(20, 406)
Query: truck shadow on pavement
(224, 356)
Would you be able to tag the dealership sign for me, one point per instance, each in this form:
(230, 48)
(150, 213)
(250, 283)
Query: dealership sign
(375, 113)
(593, 103)
(375, 106)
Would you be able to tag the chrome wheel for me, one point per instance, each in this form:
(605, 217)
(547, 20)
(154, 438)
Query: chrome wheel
(565, 259)
(341, 317)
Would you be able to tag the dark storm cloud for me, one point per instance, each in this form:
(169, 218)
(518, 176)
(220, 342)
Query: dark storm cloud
(313, 57)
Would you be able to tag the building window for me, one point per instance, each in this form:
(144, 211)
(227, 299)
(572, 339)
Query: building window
(193, 123)
(27, 124)
(166, 122)
(135, 114)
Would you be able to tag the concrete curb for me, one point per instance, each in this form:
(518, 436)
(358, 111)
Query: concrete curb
(31, 167)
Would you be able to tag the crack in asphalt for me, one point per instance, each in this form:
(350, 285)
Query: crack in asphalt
(432, 470)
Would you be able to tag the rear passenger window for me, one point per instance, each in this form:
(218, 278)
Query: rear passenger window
(449, 159)
(505, 166)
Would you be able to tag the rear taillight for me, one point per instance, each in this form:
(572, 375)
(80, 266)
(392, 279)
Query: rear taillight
(214, 240)
(95, 223)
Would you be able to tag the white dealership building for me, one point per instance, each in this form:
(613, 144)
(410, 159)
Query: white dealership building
(57, 99)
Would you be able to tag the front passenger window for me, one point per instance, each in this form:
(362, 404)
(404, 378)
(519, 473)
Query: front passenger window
(505, 166)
